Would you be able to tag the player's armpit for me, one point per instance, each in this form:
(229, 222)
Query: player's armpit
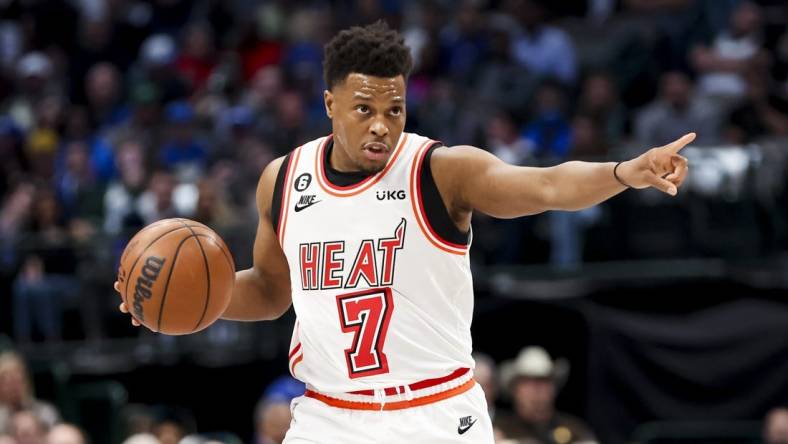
(263, 291)
(470, 179)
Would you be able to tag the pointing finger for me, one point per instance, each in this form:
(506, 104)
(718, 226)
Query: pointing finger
(676, 146)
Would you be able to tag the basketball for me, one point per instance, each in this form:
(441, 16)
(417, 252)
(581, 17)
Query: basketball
(176, 276)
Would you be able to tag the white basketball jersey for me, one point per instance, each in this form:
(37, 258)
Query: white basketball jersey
(381, 300)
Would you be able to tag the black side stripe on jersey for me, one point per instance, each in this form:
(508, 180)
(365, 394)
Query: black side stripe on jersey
(434, 208)
(279, 185)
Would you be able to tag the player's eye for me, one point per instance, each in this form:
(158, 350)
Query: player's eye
(396, 111)
(363, 109)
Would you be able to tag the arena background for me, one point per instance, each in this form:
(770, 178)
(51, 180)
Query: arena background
(671, 311)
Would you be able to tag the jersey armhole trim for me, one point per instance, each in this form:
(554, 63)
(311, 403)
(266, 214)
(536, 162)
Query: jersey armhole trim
(418, 204)
(277, 198)
(286, 193)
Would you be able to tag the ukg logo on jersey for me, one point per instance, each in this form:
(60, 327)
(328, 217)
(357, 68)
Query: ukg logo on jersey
(390, 194)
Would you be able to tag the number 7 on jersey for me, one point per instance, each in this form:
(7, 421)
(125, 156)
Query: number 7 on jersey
(366, 314)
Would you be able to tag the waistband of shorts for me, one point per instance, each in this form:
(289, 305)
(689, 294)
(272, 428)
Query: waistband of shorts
(416, 394)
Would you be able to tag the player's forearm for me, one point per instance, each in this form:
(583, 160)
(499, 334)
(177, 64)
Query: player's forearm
(256, 298)
(576, 185)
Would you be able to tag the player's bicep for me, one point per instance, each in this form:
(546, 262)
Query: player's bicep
(270, 263)
(480, 181)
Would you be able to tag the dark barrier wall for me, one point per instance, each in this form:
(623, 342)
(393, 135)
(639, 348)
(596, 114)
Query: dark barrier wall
(715, 352)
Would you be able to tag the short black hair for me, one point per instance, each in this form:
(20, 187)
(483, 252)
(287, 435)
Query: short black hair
(375, 50)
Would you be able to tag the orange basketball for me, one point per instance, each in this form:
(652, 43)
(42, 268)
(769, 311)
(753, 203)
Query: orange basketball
(176, 276)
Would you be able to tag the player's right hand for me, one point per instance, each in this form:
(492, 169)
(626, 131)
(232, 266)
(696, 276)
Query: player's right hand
(123, 308)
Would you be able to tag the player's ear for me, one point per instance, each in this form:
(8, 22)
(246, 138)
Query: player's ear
(328, 100)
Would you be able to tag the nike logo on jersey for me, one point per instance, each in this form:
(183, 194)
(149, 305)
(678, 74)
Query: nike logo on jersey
(305, 202)
(465, 424)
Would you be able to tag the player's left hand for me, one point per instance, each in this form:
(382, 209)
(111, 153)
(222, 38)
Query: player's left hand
(662, 167)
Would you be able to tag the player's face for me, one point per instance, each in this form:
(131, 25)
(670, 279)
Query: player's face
(368, 116)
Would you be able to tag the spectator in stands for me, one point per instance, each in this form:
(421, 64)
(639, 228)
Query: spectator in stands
(158, 201)
(213, 207)
(464, 42)
(533, 380)
(183, 153)
(156, 64)
(43, 139)
(64, 433)
(675, 112)
(505, 240)
(144, 124)
(722, 62)
(142, 438)
(272, 414)
(775, 427)
(103, 90)
(35, 73)
(272, 421)
(173, 424)
(16, 393)
(599, 99)
(76, 185)
(567, 228)
(486, 375)
(544, 49)
(47, 275)
(14, 218)
(548, 130)
(27, 428)
(122, 198)
(198, 57)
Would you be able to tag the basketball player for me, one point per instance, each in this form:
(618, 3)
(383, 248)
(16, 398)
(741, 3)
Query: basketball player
(366, 232)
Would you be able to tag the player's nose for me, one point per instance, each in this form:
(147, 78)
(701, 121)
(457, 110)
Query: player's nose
(378, 128)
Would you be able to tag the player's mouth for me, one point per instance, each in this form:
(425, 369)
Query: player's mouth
(376, 151)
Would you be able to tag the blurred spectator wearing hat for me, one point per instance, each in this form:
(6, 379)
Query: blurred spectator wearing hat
(34, 72)
(157, 64)
(272, 414)
(533, 380)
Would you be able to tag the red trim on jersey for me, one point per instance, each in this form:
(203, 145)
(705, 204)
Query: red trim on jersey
(295, 363)
(283, 211)
(427, 383)
(418, 205)
(294, 351)
(352, 190)
(396, 405)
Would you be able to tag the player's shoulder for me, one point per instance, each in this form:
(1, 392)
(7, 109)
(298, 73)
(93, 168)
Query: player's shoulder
(268, 176)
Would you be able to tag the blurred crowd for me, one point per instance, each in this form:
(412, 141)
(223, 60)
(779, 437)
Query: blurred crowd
(521, 396)
(25, 419)
(116, 113)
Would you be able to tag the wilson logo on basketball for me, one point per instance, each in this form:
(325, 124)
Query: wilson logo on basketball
(144, 287)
